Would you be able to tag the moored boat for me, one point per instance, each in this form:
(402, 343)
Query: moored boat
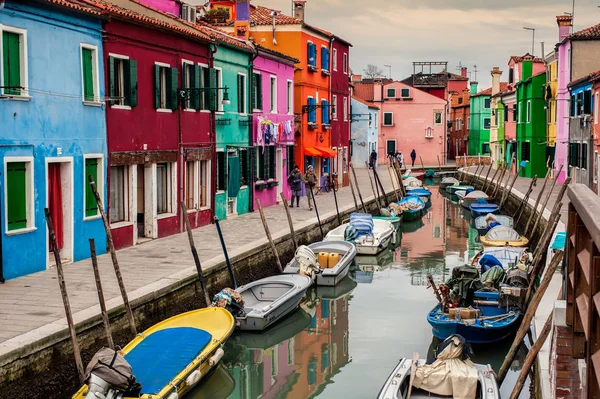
(454, 189)
(481, 224)
(472, 197)
(503, 236)
(366, 244)
(413, 208)
(448, 182)
(422, 193)
(167, 360)
(481, 209)
(412, 182)
(394, 220)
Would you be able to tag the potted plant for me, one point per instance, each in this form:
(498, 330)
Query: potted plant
(218, 15)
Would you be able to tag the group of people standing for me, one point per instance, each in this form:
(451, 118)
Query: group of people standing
(295, 180)
(393, 157)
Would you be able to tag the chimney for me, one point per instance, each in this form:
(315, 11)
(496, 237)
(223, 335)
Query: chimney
(299, 8)
(463, 72)
(377, 90)
(474, 86)
(356, 78)
(527, 67)
(496, 74)
(565, 22)
(466, 94)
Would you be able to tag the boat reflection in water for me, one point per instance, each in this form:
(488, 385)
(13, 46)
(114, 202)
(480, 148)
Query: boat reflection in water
(300, 354)
(218, 385)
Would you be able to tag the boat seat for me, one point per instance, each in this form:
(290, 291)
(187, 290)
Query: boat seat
(162, 355)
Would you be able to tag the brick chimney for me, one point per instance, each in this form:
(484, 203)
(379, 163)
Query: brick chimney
(496, 74)
(454, 96)
(463, 72)
(474, 87)
(377, 90)
(565, 22)
(299, 8)
(466, 94)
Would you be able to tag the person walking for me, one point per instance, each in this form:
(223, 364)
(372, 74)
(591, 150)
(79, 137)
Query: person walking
(413, 157)
(295, 181)
(373, 159)
(401, 159)
(311, 181)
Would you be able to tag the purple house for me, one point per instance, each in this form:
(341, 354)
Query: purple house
(272, 99)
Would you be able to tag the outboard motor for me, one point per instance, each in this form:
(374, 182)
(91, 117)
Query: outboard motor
(108, 376)
(308, 264)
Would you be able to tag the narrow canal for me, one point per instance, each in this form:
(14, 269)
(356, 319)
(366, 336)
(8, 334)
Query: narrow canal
(345, 340)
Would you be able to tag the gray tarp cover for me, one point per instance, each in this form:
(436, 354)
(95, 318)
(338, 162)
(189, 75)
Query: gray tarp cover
(502, 233)
(98, 366)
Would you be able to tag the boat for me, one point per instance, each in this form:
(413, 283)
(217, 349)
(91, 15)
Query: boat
(268, 300)
(492, 323)
(412, 182)
(168, 359)
(329, 275)
(394, 220)
(472, 197)
(454, 189)
(507, 256)
(452, 374)
(481, 209)
(503, 236)
(481, 223)
(413, 208)
(446, 174)
(449, 181)
(218, 385)
(367, 244)
(422, 193)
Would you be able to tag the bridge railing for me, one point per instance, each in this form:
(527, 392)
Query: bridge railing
(583, 282)
(473, 160)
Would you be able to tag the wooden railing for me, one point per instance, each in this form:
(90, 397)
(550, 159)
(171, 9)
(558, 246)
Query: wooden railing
(472, 160)
(583, 282)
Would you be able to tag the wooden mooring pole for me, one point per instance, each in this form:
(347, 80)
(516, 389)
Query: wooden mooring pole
(373, 186)
(225, 253)
(491, 182)
(393, 183)
(317, 213)
(378, 182)
(65, 296)
(358, 188)
(507, 192)
(537, 202)
(486, 178)
(499, 182)
(290, 222)
(190, 235)
(353, 194)
(337, 210)
(422, 164)
(101, 301)
(113, 256)
(525, 201)
(439, 163)
(541, 213)
(268, 233)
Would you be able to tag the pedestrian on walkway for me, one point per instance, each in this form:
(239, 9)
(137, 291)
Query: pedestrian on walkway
(373, 159)
(295, 182)
(310, 179)
(413, 157)
(400, 159)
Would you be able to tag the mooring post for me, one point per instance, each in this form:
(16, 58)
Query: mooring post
(290, 222)
(507, 192)
(372, 186)
(537, 202)
(65, 296)
(422, 164)
(491, 182)
(337, 210)
(225, 253)
(539, 217)
(357, 187)
(439, 163)
(113, 256)
(317, 213)
(268, 233)
(378, 182)
(525, 201)
(101, 301)
(393, 184)
(486, 177)
(353, 194)
(188, 228)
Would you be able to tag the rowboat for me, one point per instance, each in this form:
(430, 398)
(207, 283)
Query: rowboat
(503, 236)
(168, 359)
(394, 220)
(481, 223)
(417, 208)
(268, 300)
(472, 197)
(422, 193)
(412, 182)
(448, 181)
(478, 209)
(371, 244)
(329, 276)
(454, 189)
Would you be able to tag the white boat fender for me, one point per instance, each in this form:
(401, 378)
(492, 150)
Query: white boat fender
(173, 395)
(193, 378)
(394, 235)
(216, 357)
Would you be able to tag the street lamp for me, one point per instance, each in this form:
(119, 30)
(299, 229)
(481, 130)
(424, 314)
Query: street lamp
(390, 67)
(533, 41)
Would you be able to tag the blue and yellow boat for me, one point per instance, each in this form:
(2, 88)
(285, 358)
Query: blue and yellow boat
(171, 357)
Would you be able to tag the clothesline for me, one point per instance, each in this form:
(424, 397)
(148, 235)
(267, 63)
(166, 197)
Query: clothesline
(269, 132)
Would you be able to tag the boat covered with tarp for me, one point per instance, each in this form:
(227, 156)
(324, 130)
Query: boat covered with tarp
(472, 197)
(420, 192)
(412, 182)
(460, 187)
(481, 222)
(507, 257)
(503, 236)
(451, 374)
(411, 207)
(482, 207)
(449, 181)
(370, 236)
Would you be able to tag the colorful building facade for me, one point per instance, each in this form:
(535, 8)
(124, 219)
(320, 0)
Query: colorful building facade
(459, 123)
(365, 131)
(497, 145)
(581, 132)
(481, 121)
(552, 104)
(53, 133)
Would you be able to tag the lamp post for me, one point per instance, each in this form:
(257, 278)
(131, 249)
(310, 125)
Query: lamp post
(390, 69)
(533, 41)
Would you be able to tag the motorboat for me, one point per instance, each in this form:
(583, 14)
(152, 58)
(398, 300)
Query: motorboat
(449, 181)
(454, 189)
(480, 209)
(412, 182)
(472, 197)
(503, 236)
(396, 221)
(413, 208)
(372, 243)
(167, 360)
(334, 259)
(452, 374)
(507, 256)
(481, 223)
(268, 300)
(218, 385)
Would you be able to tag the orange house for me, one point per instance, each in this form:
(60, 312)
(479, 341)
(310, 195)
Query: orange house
(293, 37)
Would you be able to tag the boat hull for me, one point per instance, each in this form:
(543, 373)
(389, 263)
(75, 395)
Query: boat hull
(374, 249)
(394, 220)
(454, 189)
(411, 216)
(477, 211)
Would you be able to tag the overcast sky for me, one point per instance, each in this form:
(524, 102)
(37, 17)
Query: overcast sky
(475, 32)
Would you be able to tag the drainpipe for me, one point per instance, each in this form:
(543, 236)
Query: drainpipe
(213, 138)
(251, 135)
(1, 232)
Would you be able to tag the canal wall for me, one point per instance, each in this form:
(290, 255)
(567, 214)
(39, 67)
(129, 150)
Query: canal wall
(45, 368)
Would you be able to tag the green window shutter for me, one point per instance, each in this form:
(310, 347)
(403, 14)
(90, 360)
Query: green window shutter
(88, 74)
(131, 97)
(11, 62)
(111, 79)
(172, 86)
(195, 84)
(212, 93)
(261, 163)
(259, 92)
(272, 163)
(157, 86)
(221, 175)
(91, 168)
(253, 92)
(240, 87)
(16, 189)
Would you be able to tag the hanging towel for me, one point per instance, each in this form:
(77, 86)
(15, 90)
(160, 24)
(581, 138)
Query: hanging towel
(233, 168)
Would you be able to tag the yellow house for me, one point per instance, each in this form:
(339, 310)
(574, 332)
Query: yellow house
(550, 97)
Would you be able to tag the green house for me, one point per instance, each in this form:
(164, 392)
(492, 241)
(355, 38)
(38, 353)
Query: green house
(234, 130)
(531, 124)
(479, 130)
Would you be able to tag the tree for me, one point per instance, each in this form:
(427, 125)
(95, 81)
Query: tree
(372, 71)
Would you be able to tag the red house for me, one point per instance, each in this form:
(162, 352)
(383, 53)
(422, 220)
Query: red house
(340, 99)
(160, 143)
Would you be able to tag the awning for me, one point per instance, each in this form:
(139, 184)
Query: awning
(327, 152)
(312, 152)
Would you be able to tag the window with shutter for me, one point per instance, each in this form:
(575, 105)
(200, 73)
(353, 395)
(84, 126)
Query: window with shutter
(212, 94)
(405, 93)
(11, 63)
(241, 93)
(91, 169)
(487, 123)
(87, 57)
(525, 151)
(391, 93)
(273, 94)
(325, 58)
(219, 93)
(16, 191)
(221, 171)
(245, 167)
(164, 187)
(290, 96)
(325, 112)
(487, 103)
(573, 105)
(584, 156)
(290, 158)
(131, 95)
(122, 81)
(272, 162)
(388, 119)
(312, 54)
(260, 162)
(312, 110)
(172, 85)
(587, 102)
(188, 80)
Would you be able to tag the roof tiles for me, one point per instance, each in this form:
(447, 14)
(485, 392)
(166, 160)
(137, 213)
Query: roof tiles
(488, 91)
(593, 32)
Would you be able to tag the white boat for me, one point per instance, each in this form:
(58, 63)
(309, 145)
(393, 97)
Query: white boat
(269, 299)
(383, 234)
(329, 276)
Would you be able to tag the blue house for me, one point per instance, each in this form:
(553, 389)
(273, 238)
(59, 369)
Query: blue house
(582, 156)
(53, 132)
(364, 134)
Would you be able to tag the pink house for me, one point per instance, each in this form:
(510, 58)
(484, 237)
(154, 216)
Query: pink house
(409, 119)
(273, 72)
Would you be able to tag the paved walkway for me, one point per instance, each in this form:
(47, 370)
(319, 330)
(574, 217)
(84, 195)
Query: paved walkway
(31, 307)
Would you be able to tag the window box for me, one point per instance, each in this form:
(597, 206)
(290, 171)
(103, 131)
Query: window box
(261, 185)
(312, 125)
(326, 126)
(313, 68)
(407, 98)
(325, 72)
(272, 184)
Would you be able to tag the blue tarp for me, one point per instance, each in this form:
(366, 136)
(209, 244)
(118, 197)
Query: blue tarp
(362, 222)
(559, 241)
(488, 261)
(162, 355)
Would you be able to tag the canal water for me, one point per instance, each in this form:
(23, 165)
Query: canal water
(345, 340)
